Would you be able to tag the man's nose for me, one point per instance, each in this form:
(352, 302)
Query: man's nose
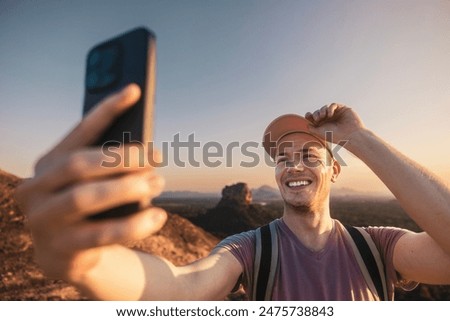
(296, 166)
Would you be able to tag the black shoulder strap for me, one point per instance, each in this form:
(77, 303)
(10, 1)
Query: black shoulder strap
(266, 262)
(371, 260)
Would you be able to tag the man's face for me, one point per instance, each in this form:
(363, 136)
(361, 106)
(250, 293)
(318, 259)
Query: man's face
(304, 171)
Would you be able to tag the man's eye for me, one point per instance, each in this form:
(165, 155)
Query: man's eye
(312, 161)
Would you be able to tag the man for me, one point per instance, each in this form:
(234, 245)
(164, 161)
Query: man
(69, 185)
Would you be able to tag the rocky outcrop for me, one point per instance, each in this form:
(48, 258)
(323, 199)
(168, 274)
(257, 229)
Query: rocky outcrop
(179, 241)
(238, 194)
(234, 213)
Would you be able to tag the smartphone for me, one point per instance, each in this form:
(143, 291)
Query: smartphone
(110, 66)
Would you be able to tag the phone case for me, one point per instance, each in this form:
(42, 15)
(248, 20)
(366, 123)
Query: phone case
(110, 66)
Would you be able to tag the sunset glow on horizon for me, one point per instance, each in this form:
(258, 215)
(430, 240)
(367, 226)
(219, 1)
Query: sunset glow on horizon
(227, 68)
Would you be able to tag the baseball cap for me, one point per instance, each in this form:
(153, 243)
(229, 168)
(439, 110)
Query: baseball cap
(284, 125)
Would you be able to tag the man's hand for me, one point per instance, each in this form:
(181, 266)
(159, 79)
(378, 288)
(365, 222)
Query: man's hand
(70, 184)
(422, 257)
(336, 118)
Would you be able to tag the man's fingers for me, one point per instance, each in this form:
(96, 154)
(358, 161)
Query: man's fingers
(309, 117)
(99, 119)
(81, 200)
(92, 163)
(323, 114)
(316, 116)
(107, 232)
(332, 109)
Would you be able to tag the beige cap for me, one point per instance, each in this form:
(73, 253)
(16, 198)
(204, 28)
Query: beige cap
(284, 125)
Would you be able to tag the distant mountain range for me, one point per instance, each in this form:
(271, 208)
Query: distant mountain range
(188, 194)
(266, 193)
(263, 193)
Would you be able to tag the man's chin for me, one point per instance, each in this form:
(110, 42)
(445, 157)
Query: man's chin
(298, 206)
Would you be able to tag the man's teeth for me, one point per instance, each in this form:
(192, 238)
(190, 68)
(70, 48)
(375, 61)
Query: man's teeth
(299, 183)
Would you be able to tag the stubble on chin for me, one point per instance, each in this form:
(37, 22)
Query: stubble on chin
(299, 208)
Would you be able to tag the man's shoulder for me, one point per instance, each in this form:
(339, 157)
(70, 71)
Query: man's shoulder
(384, 237)
(383, 232)
(243, 239)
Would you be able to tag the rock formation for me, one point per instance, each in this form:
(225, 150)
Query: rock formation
(234, 213)
(179, 241)
(238, 194)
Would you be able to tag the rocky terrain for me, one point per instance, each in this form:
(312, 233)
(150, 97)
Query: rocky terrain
(21, 279)
(180, 241)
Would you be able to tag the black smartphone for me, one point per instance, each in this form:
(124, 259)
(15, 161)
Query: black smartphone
(110, 66)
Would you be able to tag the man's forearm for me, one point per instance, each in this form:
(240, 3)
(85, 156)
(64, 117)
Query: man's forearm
(124, 274)
(422, 195)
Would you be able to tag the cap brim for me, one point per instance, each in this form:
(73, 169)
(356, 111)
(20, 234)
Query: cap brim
(284, 125)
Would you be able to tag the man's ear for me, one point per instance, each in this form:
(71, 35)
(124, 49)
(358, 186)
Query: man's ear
(336, 170)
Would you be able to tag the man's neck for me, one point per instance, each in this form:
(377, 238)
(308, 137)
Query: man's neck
(312, 227)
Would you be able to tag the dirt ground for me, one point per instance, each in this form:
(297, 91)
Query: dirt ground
(179, 241)
(21, 279)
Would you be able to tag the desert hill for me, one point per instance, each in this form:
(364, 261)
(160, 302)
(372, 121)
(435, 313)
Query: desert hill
(179, 241)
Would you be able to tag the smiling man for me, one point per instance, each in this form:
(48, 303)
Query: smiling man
(316, 259)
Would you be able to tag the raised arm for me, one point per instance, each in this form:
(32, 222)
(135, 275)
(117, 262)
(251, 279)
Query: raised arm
(70, 184)
(423, 257)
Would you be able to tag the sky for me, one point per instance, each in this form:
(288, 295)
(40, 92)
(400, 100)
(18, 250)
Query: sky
(225, 69)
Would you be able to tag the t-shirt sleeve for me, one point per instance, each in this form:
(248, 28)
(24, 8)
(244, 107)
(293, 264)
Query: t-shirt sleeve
(385, 239)
(242, 246)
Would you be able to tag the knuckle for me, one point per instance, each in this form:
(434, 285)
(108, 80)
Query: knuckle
(144, 186)
(83, 197)
(77, 199)
(75, 165)
(141, 186)
(100, 192)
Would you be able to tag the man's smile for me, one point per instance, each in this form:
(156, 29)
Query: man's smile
(298, 183)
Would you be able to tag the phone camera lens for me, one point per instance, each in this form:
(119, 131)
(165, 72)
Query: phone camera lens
(94, 58)
(109, 59)
(103, 68)
(92, 79)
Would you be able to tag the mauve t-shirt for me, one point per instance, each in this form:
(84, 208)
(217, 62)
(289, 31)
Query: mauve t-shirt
(329, 274)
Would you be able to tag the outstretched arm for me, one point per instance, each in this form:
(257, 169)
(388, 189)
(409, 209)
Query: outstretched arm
(124, 274)
(70, 184)
(423, 257)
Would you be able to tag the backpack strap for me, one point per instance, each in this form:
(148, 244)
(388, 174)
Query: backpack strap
(369, 260)
(267, 259)
(266, 262)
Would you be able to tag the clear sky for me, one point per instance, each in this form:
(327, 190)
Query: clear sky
(225, 69)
